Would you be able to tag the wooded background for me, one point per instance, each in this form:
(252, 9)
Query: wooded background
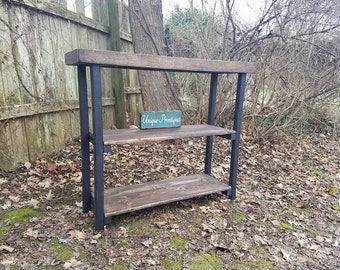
(38, 92)
(294, 43)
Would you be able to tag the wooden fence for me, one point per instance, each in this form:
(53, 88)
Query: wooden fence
(38, 92)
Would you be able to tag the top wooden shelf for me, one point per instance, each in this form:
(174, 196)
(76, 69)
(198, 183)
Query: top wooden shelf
(135, 135)
(154, 62)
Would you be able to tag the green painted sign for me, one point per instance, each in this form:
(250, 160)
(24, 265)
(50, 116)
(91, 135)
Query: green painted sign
(166, 119)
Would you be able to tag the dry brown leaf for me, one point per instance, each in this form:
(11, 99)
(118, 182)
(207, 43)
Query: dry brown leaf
(121, 232)
(160, 224)
(51, 166)
(32, 202)
(286, 255)
(147, 243)
(72, 263)
(79, 235)
(3, 181)
(6, 248)
(15, 199)
(27, 165)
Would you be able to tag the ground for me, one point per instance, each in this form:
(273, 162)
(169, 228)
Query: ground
(286, 215)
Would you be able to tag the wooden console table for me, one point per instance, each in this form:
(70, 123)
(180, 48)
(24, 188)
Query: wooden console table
(107, 203)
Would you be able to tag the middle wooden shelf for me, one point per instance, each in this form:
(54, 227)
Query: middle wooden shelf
(135, 135)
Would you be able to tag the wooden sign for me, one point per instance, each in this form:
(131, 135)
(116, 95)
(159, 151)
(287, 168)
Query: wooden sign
(166, 119)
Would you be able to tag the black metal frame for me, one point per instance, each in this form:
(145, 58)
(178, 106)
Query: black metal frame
(97, 202)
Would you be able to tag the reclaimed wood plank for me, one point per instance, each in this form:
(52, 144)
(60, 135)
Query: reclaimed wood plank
(121, 136)
(131, 198)
(155, 62)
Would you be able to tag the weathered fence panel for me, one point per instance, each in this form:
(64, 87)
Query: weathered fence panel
(38, 92)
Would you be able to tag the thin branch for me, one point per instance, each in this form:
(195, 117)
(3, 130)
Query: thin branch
(318, 46)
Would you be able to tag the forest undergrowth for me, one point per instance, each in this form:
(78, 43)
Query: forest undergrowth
(286, 214)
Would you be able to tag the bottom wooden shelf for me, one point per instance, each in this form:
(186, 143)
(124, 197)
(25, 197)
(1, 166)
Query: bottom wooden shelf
(130, 198)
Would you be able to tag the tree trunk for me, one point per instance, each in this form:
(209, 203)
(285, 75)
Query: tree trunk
(146, 20)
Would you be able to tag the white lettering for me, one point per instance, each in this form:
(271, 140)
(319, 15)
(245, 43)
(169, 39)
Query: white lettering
(169, 120)
(147, 120)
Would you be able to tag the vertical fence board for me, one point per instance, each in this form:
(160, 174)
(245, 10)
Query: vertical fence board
(36, 129)
(6, 60)
(74, 123)
(13, 143)
(23, 56)
(118, 87)
(109, 117)
(69, 40)
(60, 46)
(100, 11)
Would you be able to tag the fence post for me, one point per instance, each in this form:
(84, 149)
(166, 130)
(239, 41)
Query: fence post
(118, 85)
(80, 7)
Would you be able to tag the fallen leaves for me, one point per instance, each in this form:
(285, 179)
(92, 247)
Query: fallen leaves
(285, 216)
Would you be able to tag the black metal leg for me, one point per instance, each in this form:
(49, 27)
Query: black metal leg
(235, 145)
(98, 146)
(211, 121)
(84, 136)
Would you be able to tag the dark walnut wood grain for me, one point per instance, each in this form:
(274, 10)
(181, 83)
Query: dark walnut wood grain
(131, 198)
(121, 136)
(154, 62)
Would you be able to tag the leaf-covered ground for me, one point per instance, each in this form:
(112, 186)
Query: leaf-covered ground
(286, 215)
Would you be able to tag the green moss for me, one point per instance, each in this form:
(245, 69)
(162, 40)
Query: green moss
(318, 173)
(334, 190)
(198, 218)
(12, 267)
(304, 210)
(263, 252)
(50, 267)
(263, 260)
(177, 243)
(20, 215)
(15, 216)
(285, 225)
(4, 229)
(142, 226)
(254, 264)
(120, 266)
(206, 261)
(83, 257)
(238, 217)
(124, 241)
(172, 264)
(263, 224)
(62, 251)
